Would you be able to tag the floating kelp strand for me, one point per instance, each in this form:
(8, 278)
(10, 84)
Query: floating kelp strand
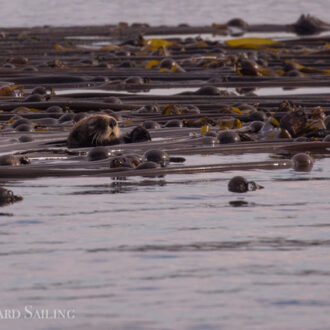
(174, 149)
(78, 106)
(261, 146)
(29, 172)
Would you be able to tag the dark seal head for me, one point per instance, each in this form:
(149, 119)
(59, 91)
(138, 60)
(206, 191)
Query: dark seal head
(208, 90)
(8, 197)
(241, 185)
(302, 162)
(239, 23)
(157, 156)
(10, 160)
(94, 130)
(148, 165)
(307, 24)
(228, 137)
(138, 134)
(122, 162)
(248, 68)
(150, 124)
(98, 153)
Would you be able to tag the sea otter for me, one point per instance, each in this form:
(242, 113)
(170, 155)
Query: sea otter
(94, 130)
(102, 130)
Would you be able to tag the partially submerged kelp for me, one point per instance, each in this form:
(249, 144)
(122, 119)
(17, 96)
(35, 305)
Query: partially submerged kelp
(44, 93)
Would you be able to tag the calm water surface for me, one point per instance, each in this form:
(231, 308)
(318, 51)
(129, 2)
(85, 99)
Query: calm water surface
(168, 253)
(79, 12)
(171, 253)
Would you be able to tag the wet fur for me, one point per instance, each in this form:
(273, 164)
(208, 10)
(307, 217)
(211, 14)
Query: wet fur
(94, 130)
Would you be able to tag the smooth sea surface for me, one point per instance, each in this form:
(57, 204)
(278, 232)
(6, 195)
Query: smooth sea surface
(170, 252)
(172, 12)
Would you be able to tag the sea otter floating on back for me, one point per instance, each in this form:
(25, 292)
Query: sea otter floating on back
(101, 130)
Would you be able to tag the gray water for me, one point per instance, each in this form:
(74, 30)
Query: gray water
(171, 252)
(155, 12)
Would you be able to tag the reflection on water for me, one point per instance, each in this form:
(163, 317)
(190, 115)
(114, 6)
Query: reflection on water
(119, 186)
(292, 91)
(267, 91)
(218, 37)
(277, 243)
(175, 246)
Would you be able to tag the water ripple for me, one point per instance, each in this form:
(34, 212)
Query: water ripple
(21, 222)
(267, 244)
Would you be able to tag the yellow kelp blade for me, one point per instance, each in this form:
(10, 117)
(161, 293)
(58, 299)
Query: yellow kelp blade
(109, 47)
(177, 68)
(10, 90)
(200, 44)
(219, 26)
(237, 123)
(59, 47)
(35, 110)
(253, 43)
(314, 125)
(62, 48)
(236, 110)
(275, 122)
(151, 64)
(12, 87)
(170, 109)
(229, 123)
(128, 123)
(270, 72)
(205, 129)
(308, 69)
(154, 44)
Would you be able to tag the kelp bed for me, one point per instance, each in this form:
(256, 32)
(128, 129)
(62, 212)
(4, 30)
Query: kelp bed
(186, 85)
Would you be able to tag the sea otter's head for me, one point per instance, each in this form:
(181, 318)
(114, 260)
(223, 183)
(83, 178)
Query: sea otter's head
(94, 130)
(102, 129)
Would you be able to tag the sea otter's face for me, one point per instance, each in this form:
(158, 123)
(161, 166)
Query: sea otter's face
(102, 129)
(94, 130)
